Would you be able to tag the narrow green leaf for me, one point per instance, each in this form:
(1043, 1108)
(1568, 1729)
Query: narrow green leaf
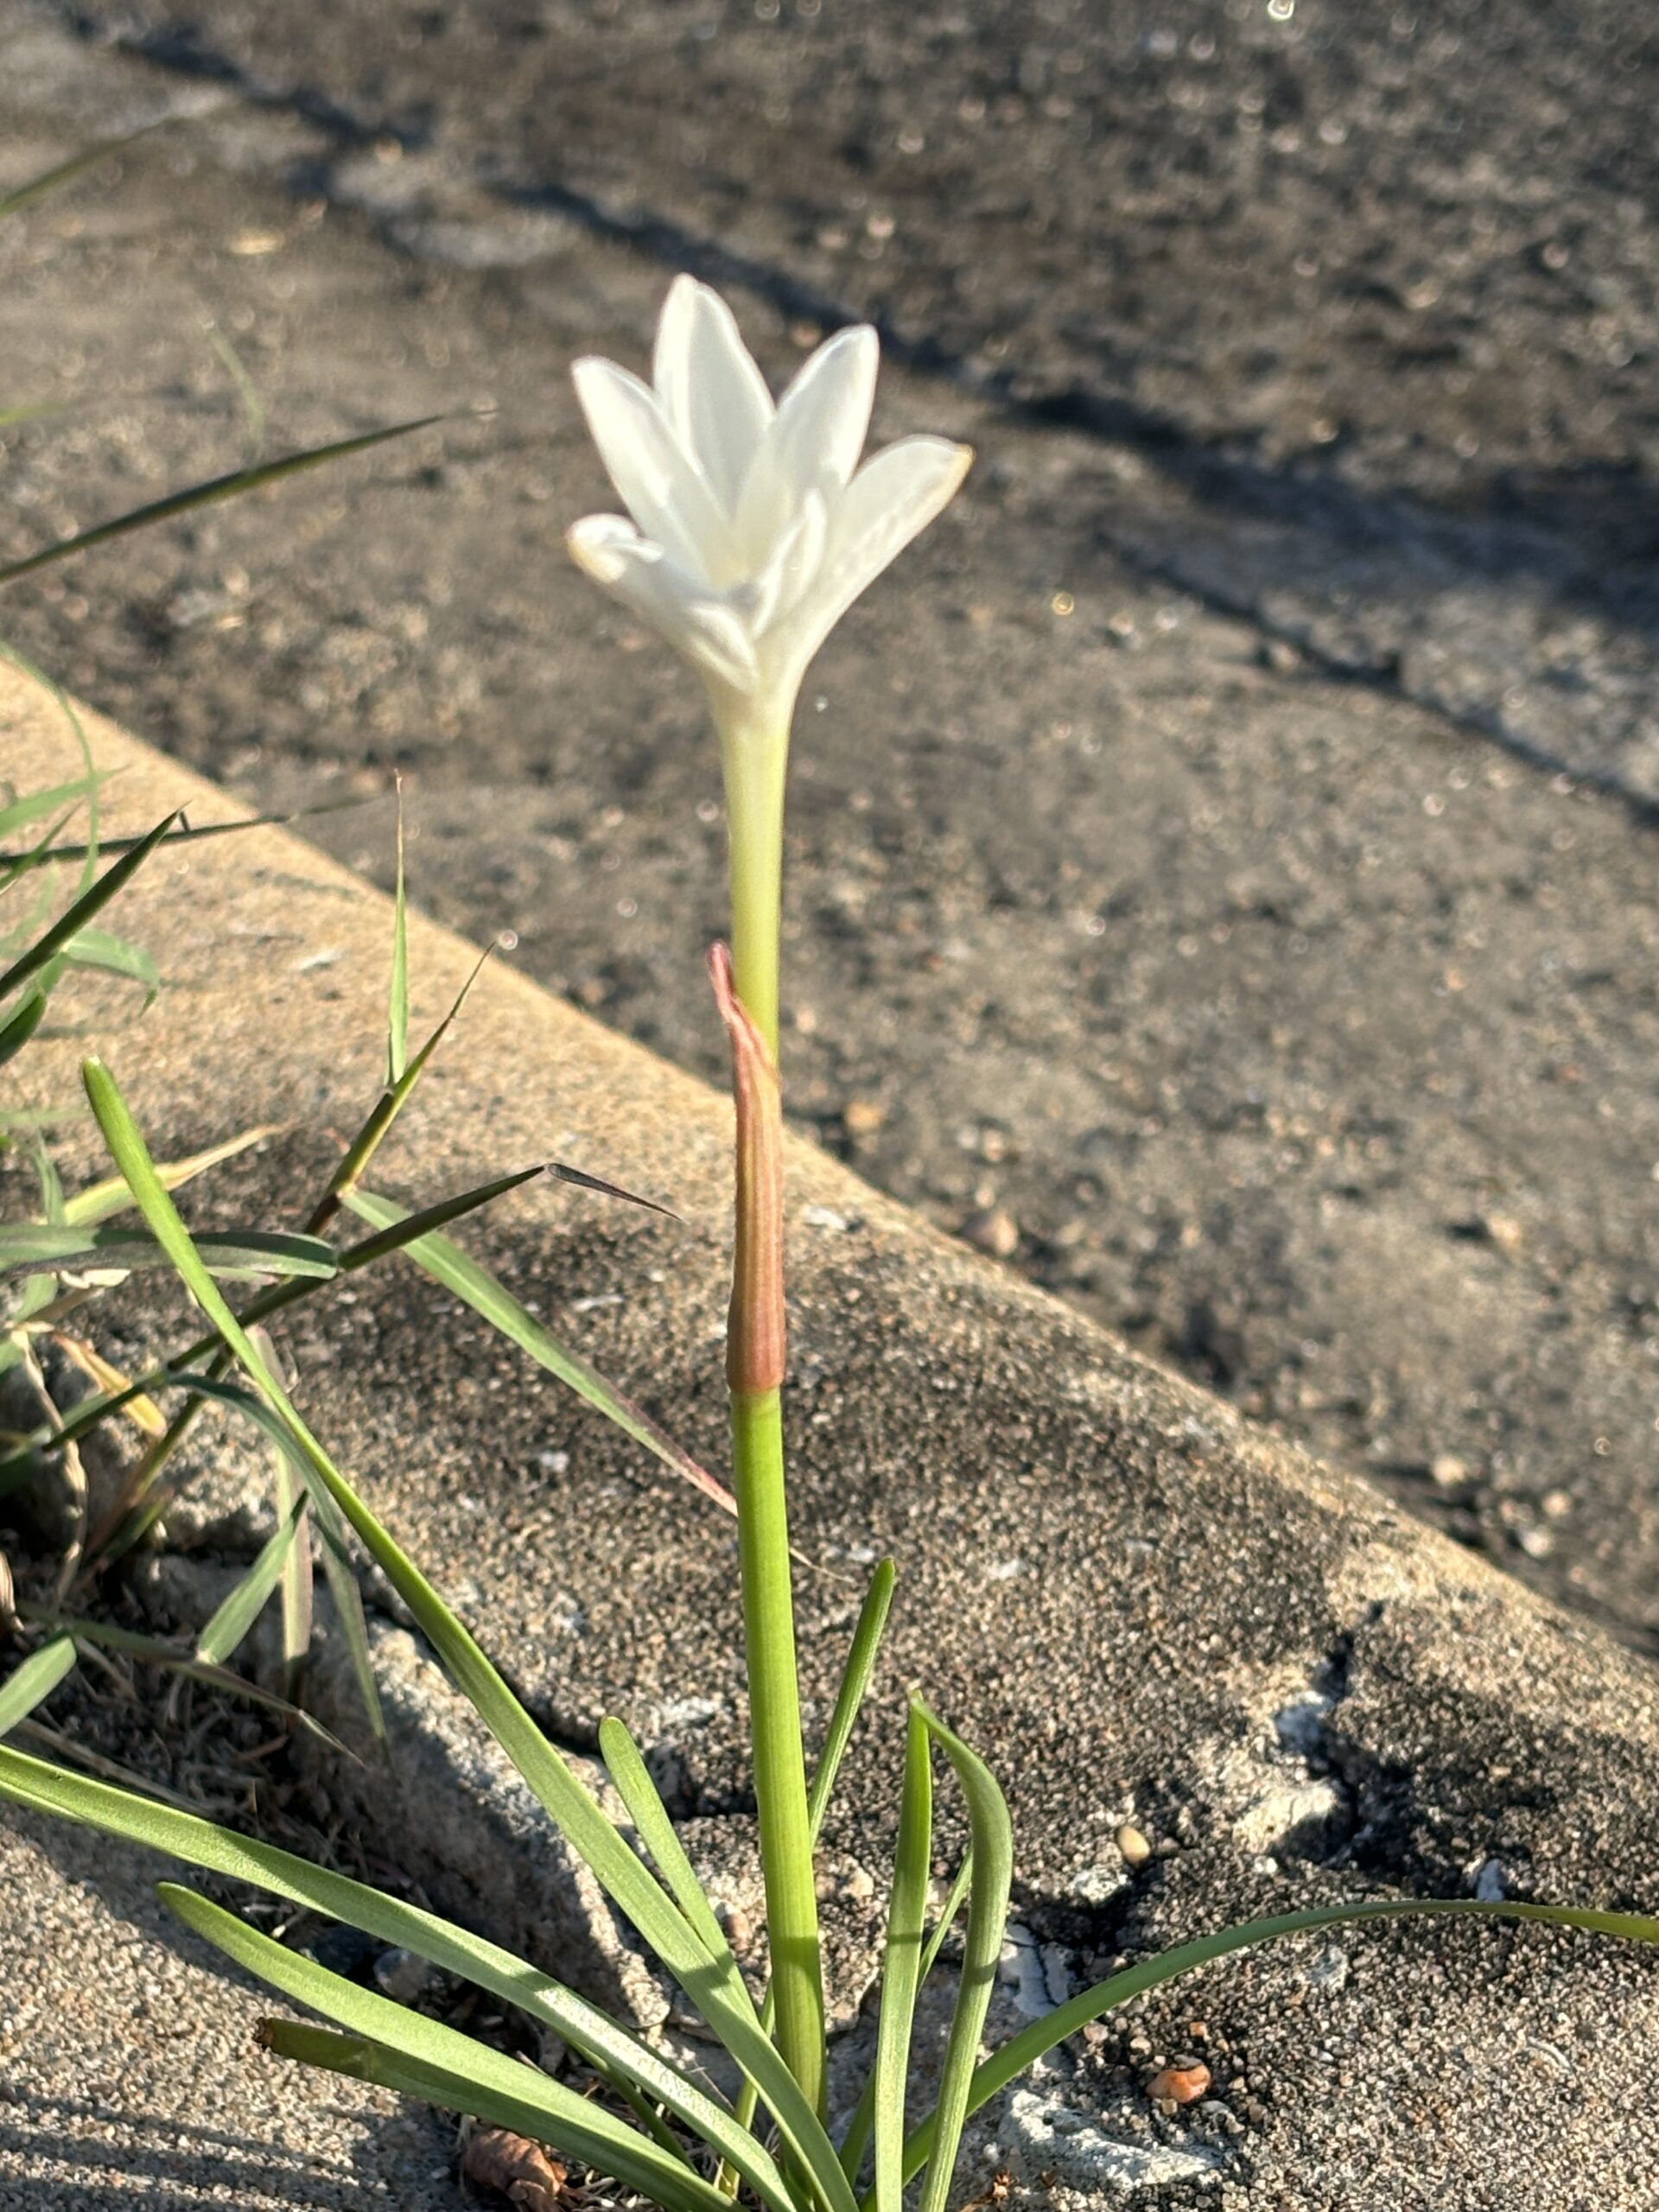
(856, 2141)
(992, 1833)
(714, 1988)
(901, 1962)
(232, 1620)
(330, 1532)
(69, 924)
(471, 2072)
(62, 172)
(476, 1286)
(34, 1680)
(228, 486)
(21, 1023)
(1043, 2035)
(184, 1835)
(34, 806)
(461, 2092)
(649, 1815)
(111, 956)
(854, 1685)
(34, 1244)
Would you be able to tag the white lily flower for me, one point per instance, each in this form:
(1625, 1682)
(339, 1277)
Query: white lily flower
(753, 529)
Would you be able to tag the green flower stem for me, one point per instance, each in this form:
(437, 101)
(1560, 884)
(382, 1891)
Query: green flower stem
(756, 761)
(775, 1717)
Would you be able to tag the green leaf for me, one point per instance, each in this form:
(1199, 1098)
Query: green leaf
(62, 172)
(34, 1680)
(901, 1962)
(656, 1832)
(856, 2141)
(1043, 2035)
(854, 1684)
(231, 1621)
(111, 956)
(476, 1286)
(186, 1836)
(33, 806)
(69, 924)
(21, 1023)
(715, 1989)
(992, 1833)
(228, 486)
(472, 2074)
(32, 1244)
(503, 2103)
(331, 1531)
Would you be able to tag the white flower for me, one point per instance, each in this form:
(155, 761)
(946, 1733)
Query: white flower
(753, 529)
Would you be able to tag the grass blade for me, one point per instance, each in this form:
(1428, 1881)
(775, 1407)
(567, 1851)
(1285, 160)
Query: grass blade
(186, 1836)
(231, 1621)
(856, 2141)
(473, 2074)
(503, 2103)
(30, 1246)
(713, 1986)
(228, 486)
(649, 1815)
(62, 172)
(28, 1685)
(91, 901)
(476, 1286)
(901, 1962)
(991, 1832)
(21, 1025)
(1035, 2042)
(33, 806)
(112, 955)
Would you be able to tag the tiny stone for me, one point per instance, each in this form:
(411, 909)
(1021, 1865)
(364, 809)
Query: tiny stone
(862, 1117)
(1448, 1469)
(1132, 1847)
(993, 1229)
(1181, 2083)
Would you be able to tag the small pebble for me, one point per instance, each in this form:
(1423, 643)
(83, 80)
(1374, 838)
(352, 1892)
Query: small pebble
(993, 1229)
(862, 1117)
(1447, 1469)
(1183, 2081)
(1133, 1847)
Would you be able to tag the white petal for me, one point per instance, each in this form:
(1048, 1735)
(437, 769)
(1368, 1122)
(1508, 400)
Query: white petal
(891, 498)
(711, 391)
(660, 485)
(817, 437)
(790, 571)
(823, 417)
(675, 604)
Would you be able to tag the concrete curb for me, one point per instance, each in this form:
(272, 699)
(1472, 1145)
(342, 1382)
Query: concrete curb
(1141, 1607)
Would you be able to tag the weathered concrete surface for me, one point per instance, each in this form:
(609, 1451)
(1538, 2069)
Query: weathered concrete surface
(1143, 1607)
(1230, 933)
(129, 2074)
